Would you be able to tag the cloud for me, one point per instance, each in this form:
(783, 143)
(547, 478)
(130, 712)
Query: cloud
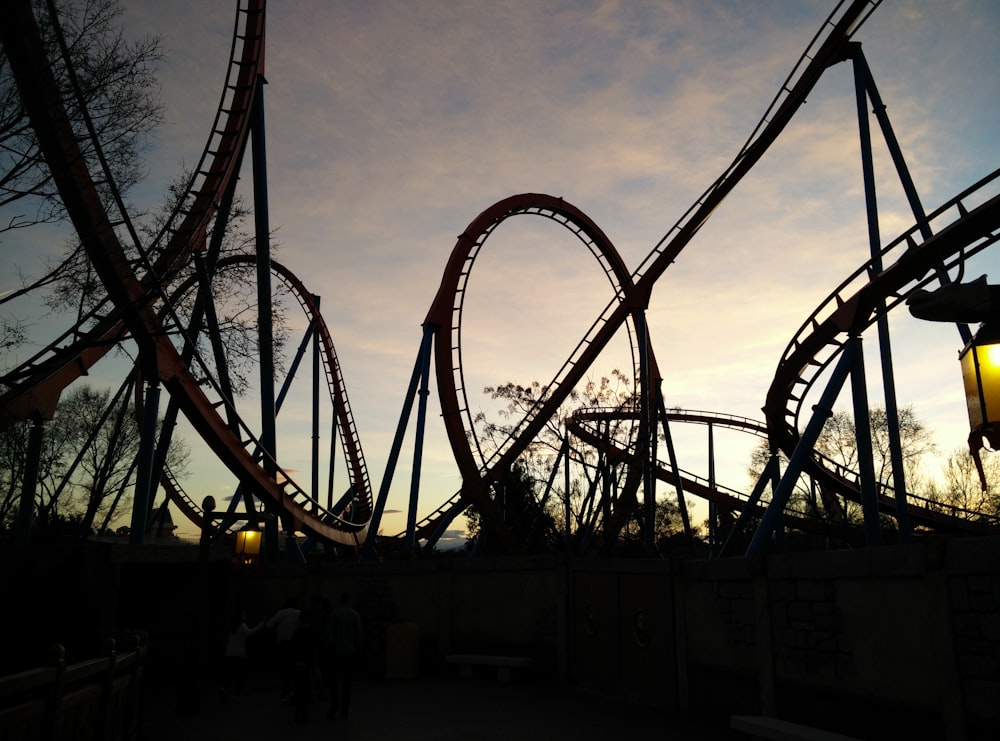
(391, 125)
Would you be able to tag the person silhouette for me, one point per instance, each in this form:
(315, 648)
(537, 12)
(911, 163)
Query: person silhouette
(234, 660)
(304, 652)
(284, 622)
(346, 640)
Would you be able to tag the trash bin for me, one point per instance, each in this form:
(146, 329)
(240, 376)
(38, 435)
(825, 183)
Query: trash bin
(402, 651)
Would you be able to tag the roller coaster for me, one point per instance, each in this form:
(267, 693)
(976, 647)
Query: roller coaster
(160, 302)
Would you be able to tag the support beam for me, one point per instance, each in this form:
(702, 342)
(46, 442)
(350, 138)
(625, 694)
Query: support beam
(821, 412)
(144, 482)
(862, 83)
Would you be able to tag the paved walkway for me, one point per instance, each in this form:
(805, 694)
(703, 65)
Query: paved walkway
(431, 709)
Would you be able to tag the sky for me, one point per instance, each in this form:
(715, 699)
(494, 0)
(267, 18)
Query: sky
(391, 125)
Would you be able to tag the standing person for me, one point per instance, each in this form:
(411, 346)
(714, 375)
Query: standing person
(284, 622)
(346, 639)
(236, 654)
(304, 654)
(320, 617)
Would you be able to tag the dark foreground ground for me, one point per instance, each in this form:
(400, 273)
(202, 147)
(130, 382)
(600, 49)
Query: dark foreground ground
(443, 708)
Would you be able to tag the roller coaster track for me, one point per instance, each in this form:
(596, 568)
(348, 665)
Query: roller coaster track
(137, 287)
(359, 481)
(34, 390)
(966, 225)
(584, 425)
(446, 315)
(828, 46)
(963, 231)
(446, 310)
(34, 387)
(943, 518)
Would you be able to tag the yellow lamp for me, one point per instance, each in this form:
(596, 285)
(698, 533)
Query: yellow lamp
(248, 547)
(981, 374)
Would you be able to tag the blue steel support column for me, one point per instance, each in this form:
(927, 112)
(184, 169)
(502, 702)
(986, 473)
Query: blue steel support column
(333, 454)
(144, 484)
(863, 434)
(218, 348)
(444, 522)
(604, 473)
(368, 549)
(751, 506)
(418, 449)
(675, 469)
(654, 462)
(779, 533)
(265, 320)
(586, 519)
(265, 327)
(645, 402)
(901, 169)
(861, 77)
(315, 409)
(537, 521)
(567, 513)
(713, 511)
(821, 412)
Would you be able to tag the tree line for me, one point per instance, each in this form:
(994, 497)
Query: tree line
(530, 502)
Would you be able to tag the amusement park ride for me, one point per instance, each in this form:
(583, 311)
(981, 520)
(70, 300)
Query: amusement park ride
(149, 305)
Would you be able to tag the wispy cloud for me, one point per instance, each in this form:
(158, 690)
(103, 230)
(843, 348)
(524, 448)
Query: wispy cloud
(390, 125)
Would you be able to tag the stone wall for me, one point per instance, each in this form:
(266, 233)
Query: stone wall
(897, 641)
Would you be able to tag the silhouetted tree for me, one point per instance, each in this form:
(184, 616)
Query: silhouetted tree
(838, 443)
(612, 392)
(120, 94)
(106, 453)
(522, 512)
(962, 488)
(77, 289)
(117, 83)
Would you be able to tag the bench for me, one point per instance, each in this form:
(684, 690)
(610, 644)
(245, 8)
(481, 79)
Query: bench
(504, 664)
(782, 730)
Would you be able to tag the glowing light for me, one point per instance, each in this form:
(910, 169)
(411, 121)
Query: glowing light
(981, 375)
(247, 547)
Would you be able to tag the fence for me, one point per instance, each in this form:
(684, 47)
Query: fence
(96, 700)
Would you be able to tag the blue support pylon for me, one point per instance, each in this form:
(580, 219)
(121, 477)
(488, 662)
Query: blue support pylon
(144, 483)
(821, 412)
(863, 436)
(418, 379)
(862, 82)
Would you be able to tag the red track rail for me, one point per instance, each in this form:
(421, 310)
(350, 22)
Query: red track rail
(478, 472)
(360, 483)
(827, 47)
(35, 387)
(134, 297)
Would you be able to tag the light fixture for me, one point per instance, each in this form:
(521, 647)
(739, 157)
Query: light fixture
(248, 546)
(980, 360)
(977, 301)
(981, 374)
